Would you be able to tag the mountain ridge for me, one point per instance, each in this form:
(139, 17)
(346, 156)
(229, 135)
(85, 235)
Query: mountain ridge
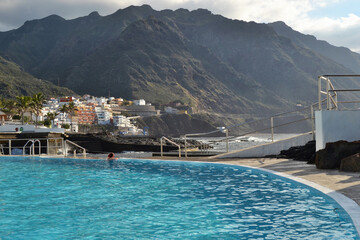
(210, 62)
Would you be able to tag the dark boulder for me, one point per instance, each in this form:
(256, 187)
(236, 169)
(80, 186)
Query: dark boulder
(351, 163)
(301, 153)
(330, 157)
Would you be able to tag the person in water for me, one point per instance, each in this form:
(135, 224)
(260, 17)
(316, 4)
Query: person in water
(111, 156)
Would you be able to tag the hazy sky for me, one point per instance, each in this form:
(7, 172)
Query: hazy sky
(336, 21)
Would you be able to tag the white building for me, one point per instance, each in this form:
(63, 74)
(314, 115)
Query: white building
(171, 110)
(122, 121)
(101, 100)
(103, 116)
(140, 102)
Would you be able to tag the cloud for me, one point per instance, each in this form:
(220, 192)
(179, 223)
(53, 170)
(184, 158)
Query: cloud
(13, 13)
(343, 31)
(296, 13)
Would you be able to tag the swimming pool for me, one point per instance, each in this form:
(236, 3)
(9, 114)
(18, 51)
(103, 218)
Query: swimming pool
(42, 198)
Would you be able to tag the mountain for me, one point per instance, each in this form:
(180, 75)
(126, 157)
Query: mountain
(207, 61)
(15, 82)
(341, 55)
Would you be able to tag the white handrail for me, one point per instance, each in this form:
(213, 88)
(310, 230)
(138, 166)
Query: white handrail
(32, 141)
(332, 93)
(32, 146)
(168, 140)
(37, 140)
(76, 145)
(331, 99)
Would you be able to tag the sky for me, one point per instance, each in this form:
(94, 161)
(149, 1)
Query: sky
(335, 21)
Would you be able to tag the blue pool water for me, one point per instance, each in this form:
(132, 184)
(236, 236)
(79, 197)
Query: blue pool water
(142, 199)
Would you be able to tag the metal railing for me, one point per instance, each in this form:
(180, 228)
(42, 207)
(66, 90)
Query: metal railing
(305, 114)
(331, 101)
(168, 140)
(220, 129)
(331, 92)
(49, 146)
(76, 145)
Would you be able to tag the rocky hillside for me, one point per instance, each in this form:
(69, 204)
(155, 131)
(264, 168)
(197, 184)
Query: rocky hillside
(174, 125)
(15, 82)
(207, 61)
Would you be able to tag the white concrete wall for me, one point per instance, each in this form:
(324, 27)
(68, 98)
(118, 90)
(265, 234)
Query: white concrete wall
(332, 126)
(272, 148)
(28, 128)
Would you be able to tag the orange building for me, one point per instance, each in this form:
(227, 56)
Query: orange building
(86, 114)
(66, 99)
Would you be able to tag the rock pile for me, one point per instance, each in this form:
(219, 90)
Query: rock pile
(341, 155)
(300, 153)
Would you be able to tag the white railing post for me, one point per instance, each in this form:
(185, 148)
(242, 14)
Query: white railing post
(227, 139)
(9, 147)
(312, 121)
(336, 102)
(161, 147)
(328, 94)
(319, 89)
(185, 146)
(272, 128)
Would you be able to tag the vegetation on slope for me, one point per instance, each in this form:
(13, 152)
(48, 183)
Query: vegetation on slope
(15, 82)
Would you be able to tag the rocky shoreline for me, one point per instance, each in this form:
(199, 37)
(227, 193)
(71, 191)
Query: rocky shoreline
(341, 155)
(102, 143)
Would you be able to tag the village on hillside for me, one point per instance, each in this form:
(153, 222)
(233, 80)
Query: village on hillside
(74, 113)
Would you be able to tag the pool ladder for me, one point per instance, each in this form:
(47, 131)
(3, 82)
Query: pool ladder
(32, 146)
(1, 149)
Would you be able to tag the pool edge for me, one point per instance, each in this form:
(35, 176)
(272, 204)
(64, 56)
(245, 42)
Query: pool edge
(349, 205)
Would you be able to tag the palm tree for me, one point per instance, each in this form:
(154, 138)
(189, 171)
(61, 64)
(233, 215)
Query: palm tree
(31, 109)
(51, 116)
(64, 109)
(38, 101)
(8, 106)
(23, 104)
